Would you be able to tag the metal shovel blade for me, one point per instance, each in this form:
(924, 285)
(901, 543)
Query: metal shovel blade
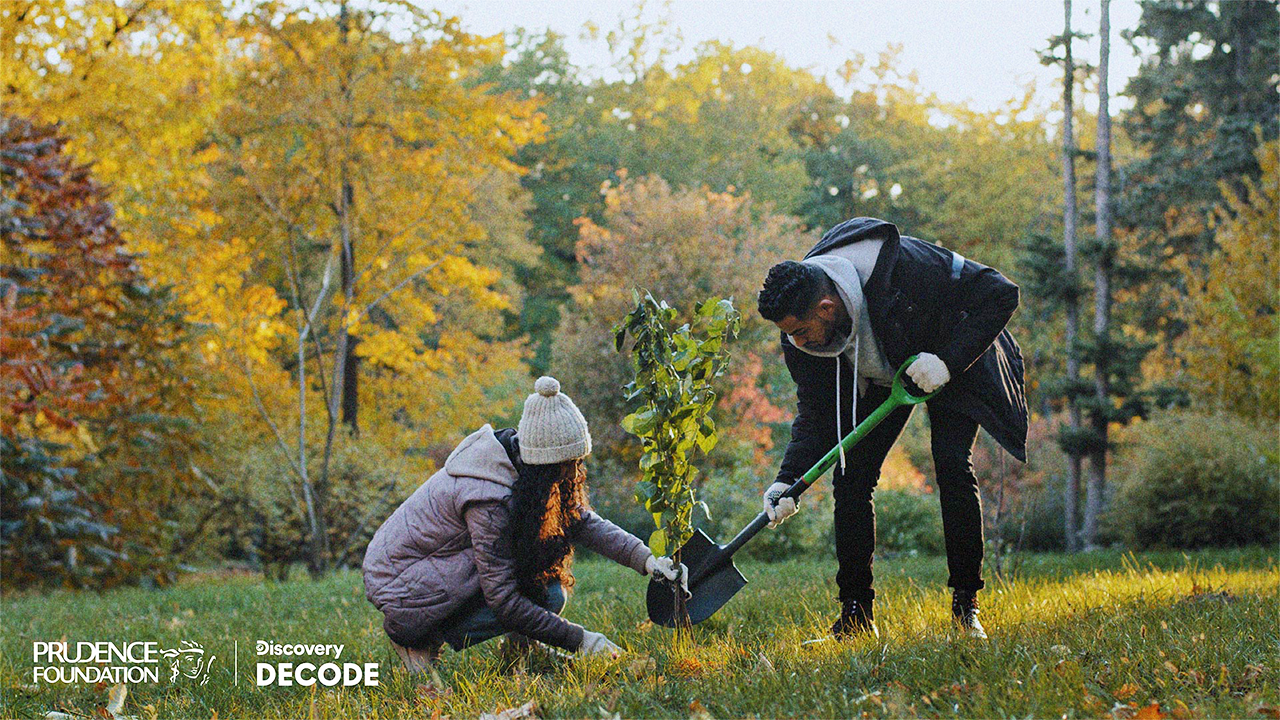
(713, 580)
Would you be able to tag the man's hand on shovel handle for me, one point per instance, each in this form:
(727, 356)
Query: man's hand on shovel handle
(778, 508)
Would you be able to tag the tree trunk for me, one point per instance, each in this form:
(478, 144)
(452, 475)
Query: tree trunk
(351, 366)
(1071, 496)
(1102, 294)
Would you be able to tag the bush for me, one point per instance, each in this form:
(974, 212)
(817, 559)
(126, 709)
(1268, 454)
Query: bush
(1190, 480)
(908, 522)
(735, 500)
(1036, 524)
(266, 519)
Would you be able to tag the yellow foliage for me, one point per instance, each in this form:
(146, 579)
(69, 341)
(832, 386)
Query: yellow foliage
(1230, 346)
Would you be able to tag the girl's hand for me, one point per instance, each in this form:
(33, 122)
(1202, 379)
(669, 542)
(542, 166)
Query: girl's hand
(664, 566)
(593, 643)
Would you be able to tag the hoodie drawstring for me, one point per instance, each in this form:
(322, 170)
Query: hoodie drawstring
(839, 429)
(839, 425)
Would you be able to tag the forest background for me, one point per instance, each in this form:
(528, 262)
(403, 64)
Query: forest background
(267, 262)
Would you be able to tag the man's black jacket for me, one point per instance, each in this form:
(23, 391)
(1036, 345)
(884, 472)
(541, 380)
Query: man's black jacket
(921, 298)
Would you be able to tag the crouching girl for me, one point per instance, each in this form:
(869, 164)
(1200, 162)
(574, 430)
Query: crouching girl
(483, 547)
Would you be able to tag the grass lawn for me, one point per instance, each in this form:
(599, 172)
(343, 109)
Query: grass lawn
(1100, 635)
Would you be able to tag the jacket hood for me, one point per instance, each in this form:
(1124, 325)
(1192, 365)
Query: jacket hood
(482, 456)
(853, 230)
(864, 228)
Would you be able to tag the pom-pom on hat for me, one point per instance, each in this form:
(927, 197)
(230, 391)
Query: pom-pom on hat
(552, 429)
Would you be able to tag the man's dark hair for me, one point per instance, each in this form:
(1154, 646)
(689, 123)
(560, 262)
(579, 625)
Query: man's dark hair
(793, 289)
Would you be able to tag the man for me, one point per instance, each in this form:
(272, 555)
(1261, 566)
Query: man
(864, 300)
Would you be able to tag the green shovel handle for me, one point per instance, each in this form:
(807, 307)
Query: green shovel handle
(898, 396)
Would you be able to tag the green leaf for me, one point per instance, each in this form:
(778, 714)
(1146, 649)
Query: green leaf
(706, 442)
(640, 423)
(658, 542)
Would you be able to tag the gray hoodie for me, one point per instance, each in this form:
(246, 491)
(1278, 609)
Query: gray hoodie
(849, 267)
(445, 544)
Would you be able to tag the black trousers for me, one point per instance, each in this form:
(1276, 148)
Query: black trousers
(951, 439)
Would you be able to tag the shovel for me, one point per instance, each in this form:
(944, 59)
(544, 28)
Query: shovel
(713, 578)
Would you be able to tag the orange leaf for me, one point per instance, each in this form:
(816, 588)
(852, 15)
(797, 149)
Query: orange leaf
(1150, 712)
(1126, 691)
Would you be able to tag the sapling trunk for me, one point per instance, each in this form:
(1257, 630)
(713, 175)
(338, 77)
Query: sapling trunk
(681, 602)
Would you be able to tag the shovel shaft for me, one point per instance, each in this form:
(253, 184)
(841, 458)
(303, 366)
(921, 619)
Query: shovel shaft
(898, 397)
(746, 534)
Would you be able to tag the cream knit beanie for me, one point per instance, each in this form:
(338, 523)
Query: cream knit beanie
(551, 428)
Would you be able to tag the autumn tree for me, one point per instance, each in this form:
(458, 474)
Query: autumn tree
(1231, 315)
(1206, 94)
(96, 408)
(723, 119)
(349, 167)
(682, 245)
(1054, 278)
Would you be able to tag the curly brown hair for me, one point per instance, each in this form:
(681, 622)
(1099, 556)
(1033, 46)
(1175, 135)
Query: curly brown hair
(547, 502)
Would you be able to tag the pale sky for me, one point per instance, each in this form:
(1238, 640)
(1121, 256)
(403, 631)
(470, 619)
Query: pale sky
(981, 51)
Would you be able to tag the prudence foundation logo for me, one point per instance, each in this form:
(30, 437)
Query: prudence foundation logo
(60, 661)
(189, 661)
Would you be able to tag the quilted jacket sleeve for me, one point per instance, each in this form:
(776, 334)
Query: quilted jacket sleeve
(496, 566)
(611, 541)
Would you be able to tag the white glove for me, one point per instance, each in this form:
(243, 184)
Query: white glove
(777, 507)
(929, 372)
(664, 566)
(593, 643)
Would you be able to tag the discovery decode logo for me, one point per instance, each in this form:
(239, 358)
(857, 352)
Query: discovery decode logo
(328, 674)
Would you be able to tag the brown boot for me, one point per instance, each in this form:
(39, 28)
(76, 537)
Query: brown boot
(418, 662)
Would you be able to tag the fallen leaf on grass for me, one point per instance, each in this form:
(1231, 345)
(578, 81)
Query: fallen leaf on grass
(431, 691)
(688, 667)
(526, 710)
(1121, 710)
(872, 697)
(1267, 711)
(698, 711)
(763, 663)
(115, 699)
(1150, 712)
(1062, 667)
(1094, 705)
(1126, 691)
(642, 665)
